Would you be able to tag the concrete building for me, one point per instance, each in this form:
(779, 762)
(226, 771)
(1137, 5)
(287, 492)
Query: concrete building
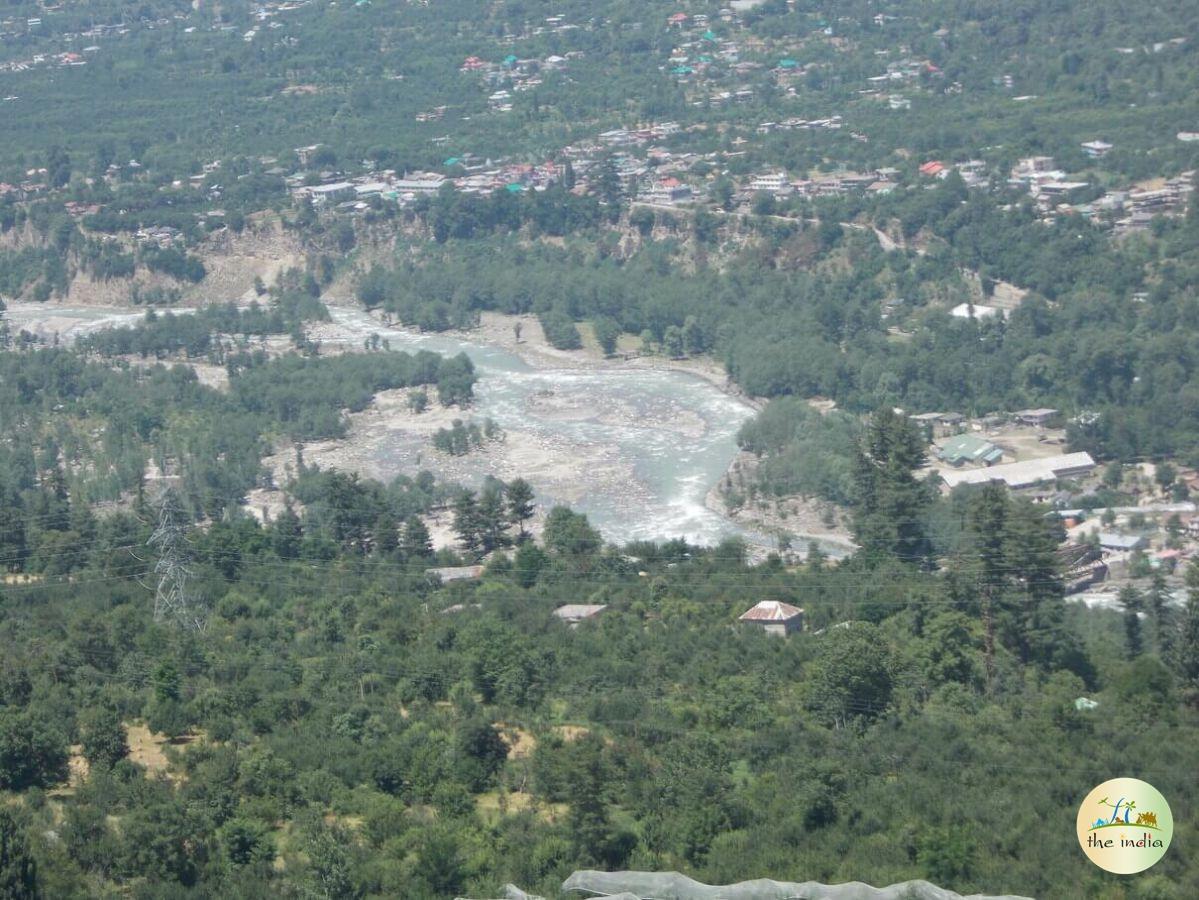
(1025, 474)
(1126, 543)
(776, 183)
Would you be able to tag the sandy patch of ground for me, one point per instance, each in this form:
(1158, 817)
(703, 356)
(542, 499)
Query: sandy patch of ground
(212, 376)
(387, 413)
(1007, 295)
(388, 437)
(78, 769)
(571, 733)
(494, 804)
(1020, 442)
(388, 422)
(353, 823)
(521, 743)
(147, 748)
(559, 468)
(78, 765)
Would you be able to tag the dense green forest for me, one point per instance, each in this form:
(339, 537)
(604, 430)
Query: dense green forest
(341, 731)
(181, 86)
(90, 430)
(199, 699)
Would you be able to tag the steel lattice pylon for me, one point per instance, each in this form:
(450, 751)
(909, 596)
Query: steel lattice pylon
(173, 601)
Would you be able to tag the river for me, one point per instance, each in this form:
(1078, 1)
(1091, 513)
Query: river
(636, 449)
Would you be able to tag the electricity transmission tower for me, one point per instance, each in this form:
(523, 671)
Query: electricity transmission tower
(173, 600)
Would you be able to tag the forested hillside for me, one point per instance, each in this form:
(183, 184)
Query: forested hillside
(345, 726)
(798, 312)
(867, 228)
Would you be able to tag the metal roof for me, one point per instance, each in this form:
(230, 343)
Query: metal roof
(771, 611)
(1023, 474)
(579, 610)
(969, 448)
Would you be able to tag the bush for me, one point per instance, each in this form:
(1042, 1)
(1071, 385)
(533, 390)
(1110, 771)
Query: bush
(31, 753)
(560, 330)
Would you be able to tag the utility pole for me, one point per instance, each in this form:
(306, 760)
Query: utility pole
(173, 601)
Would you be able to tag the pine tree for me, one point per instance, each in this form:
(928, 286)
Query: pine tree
(466, 522)
(18, 871)
(693, 336)
(608, 186)
(588, 822)
(385, 533)
(415, 542)
(891, 505)
(286, 534)
(1186, 650)
(1038, 592)
(1131, 602)
(520, 504)
(1009, 573)
(492, 518)
(985, 524)
(1157, 601)
(672, 342)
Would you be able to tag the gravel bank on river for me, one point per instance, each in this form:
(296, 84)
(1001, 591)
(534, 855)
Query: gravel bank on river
(637, 442)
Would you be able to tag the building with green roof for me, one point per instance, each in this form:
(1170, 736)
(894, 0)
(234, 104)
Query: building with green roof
(968, 448)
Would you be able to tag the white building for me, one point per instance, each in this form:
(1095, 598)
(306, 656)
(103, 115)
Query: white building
(666, 193)
(975, 311)
(1027, 473)
(777, 184)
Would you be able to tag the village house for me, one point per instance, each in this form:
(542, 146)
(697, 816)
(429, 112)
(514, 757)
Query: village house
(419, 183)
(777, 183)
(455, 573)
(1121, 543)
(775, 617)
(574, 613)
(1038, 418)
(322, 193)
(667, 191)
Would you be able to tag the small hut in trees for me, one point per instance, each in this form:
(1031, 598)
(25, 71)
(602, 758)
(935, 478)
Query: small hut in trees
(775, 616)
